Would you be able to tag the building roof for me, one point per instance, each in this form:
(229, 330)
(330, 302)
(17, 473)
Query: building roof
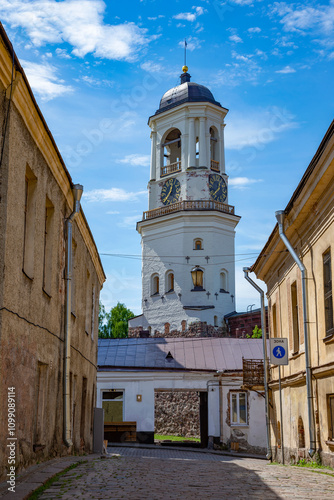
(186, 92)
(195, 354)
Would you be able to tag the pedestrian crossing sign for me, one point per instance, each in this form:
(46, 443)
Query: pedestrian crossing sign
(279, 351)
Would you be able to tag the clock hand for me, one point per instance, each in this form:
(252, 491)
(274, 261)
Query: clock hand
(168, 193)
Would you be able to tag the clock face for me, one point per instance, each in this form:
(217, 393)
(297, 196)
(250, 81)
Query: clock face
(217, 187)
(170, 192)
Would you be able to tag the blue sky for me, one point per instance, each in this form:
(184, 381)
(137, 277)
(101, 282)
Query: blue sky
(98, 70)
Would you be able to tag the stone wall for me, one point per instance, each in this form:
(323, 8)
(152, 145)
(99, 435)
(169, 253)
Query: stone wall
(177, 413)
(199, 329)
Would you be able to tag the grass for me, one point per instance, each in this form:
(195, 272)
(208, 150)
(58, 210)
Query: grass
(161, 437)
(36, 494)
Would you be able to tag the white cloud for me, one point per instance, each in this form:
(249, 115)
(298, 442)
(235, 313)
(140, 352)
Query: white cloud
(235, 39)
(62, 53)
(254, 30)
(257, 128)
(301, 18)
(286, 70)
(130, 221)
(113, 212)
(43, 80)
(243, 2)
(136, 160)
(242, 182)
(77, 22)
(112, 194)
(192, 43)
(190, 16)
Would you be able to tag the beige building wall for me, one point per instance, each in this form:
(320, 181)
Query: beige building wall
(309, 226)
(35, 201)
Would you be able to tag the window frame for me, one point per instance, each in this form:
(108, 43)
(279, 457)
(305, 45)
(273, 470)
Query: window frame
(328, 294)
(238, 423)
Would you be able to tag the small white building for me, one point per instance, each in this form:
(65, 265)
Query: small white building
(131, 371)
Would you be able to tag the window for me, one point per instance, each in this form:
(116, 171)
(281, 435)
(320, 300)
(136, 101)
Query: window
(328, 297)
(171, 153)
(330, 408)
(88, 308)
(197, 275)
(48, 229)
(223, 281)
(112, 403)
(74, 276)
(274, 317)
(29, 223)
(301, 433)
(198, 244)
(155, 285)
(239, 408)
(215, 321)
(183, 325)
(295, 320)
(214, 149)
(169, 282)
(167, 327)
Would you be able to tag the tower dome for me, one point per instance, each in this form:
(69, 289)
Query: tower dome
(187, 91)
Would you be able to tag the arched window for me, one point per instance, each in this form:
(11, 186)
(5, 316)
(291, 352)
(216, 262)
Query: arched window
(197, 275)
(215, 320)
(167, 327)
(214, 149)
(223, 281)
(198, 244)
(169, 281)
(155, 284)
(171, 153)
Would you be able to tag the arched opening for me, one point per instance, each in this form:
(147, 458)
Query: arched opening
(223, 281)
(301, 433)
(215, 320)
(155, 284)
(198, 244)
(167, 328)
(214, 149)
(169, 281)
(197, 275)
(171, 153)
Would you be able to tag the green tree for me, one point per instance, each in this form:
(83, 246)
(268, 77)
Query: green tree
(256, 334)
(114, 325)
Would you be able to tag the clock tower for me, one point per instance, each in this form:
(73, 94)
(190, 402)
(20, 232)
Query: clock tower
(188, 232)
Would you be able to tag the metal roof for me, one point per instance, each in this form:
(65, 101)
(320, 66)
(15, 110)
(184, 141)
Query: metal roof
(208, 354)
(186, 92)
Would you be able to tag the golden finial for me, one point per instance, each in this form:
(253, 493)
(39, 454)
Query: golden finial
(184, 69)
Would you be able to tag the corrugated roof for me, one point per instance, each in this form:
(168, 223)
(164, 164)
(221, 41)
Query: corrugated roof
(188, 353)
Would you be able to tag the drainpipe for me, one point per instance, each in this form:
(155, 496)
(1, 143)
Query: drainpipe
(265, 357)
(77, 193)
(280, 219)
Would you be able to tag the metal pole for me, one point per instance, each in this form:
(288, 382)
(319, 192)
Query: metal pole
(281, 412)
(265, 358)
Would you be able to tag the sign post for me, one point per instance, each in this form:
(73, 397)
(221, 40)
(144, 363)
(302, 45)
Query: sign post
(279, 356)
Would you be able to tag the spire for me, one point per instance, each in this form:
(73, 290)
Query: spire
(185, 77)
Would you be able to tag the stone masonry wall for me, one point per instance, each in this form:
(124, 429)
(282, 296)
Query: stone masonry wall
(199, 329)
(177, 413)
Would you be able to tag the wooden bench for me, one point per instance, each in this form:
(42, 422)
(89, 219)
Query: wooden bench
(118, 432)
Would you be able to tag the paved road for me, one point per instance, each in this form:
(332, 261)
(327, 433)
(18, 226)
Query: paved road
(161, 474)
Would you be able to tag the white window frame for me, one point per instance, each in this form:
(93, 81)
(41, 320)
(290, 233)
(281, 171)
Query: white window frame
(237, 394)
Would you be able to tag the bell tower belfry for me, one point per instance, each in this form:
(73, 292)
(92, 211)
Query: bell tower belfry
(188, 231)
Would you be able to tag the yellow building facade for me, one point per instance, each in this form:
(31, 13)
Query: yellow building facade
(309, 227)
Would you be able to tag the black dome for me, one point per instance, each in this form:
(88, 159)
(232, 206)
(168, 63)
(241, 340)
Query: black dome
(186, 92)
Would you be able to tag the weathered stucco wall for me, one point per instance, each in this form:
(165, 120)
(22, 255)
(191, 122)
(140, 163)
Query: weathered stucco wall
(32, 308)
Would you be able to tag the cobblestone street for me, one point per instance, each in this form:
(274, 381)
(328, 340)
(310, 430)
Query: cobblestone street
(154, 474)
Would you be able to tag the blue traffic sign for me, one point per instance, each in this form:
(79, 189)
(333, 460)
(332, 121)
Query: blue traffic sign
(279, 352)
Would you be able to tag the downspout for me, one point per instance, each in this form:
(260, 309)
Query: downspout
(280, 219)
(265, 358)
(77, 193)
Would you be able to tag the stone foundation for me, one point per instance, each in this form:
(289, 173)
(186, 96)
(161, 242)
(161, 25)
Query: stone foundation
(177, 413)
